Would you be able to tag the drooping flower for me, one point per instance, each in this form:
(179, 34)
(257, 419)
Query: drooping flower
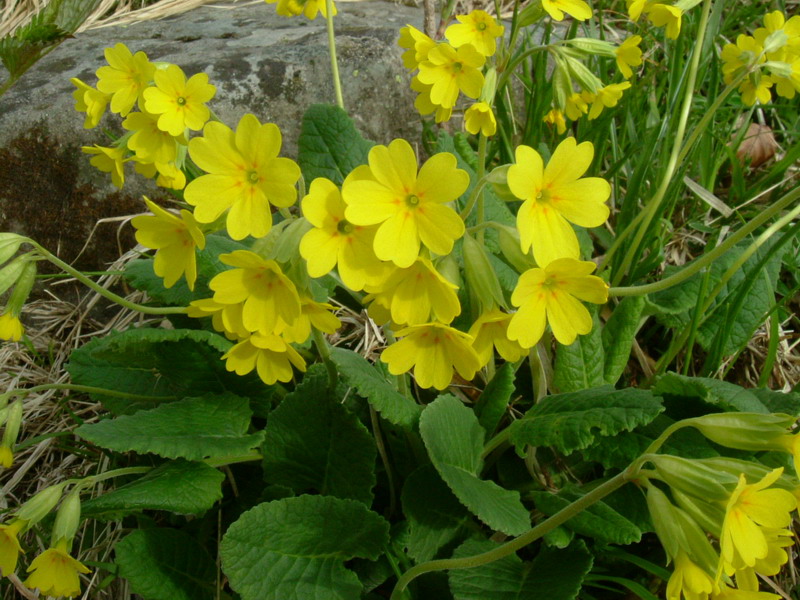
(335, 241)
(270, 355)
(11, 328)
(125, 77)
(578, 105)
(409, 206)
(225, 318)
(309, 8)
(578, 9)
(318, 315)
(425, 105)
(245, 175)
(149, 142)
(552, 295)
(108, 160)
(433, 350)
(666, 15)
(689, 580)
(449, 70)
(416, 45)
(175, 239)
(55, 572)
(628, 54)
(490, 331)
(479, 118)
(90, 101)
(177, 102)
(607, 97)
(556, 118)
(555, 196)
(478, 28)
(9, 546)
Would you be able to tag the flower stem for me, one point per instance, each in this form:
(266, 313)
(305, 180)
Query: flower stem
(88, 390)
(325, 354)
(337, 84)
(481, 217)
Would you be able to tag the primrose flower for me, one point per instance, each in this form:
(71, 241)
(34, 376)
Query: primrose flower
(178, 102)
(756, 88)
(269, 355)
(175, 239)
(416, 45)
(11, 328)
(578, 9)
(318, 315)
(108, 160)
(629, 55)
(409, 206)
(149, 142)
(578, 105)
(478, 28)
(225, 318)
(665, 15)
(490, 331)
(90, 101)
(751, 512)
(449, 70)
(309, 8)
(607, 97)
(775, 22)
(55, 572)
(433, 350)
(479, 118)
(270, 299)
(689, 580)
(728, 593)
(335, 241)
(555, 196)
(245, 175)
(125, 77)
(9, 546)
(425, 105)
(556, 118)
(742, 55)
(551, 295)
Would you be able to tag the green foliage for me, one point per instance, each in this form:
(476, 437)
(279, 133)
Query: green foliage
(580, 365)
(492, 404)
(295, 549)
(712, 392)
(618, 336)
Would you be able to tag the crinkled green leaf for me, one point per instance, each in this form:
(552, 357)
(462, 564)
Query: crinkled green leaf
(313, 442)
(779, 402)
(454, 440)
(722, 394)
(194, 429)
(580, 365)
(493, 402)
(618, 336)
(295, 548)
(166, 564)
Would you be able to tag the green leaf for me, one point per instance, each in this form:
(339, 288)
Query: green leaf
(618, 335)
(166, 564)
(454, 440)
(580, 365)
(194, 429)
(598, 521)
(186, 488)
(295, 548)
(574, 421)
(779, 402)
(329, 144)
(722, 394)
(492, 404)
(312, 442)
(555, 574)
(372, 385)
(435, 516)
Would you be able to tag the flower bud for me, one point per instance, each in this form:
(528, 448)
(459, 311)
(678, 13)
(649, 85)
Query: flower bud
(23, 288)
(562, 85)
(11, 272)
(511, 248)
(287, 246)
(68, 518)
(38, 507)
(779, 69)
(662, 515)
(448, 267)
(743, 431)
(480, 275)
(706, 515)
(489, 86)
(10, 434)
(531, 14)
(592, 46)
(9, 244)
(693, 477)
(581, 73)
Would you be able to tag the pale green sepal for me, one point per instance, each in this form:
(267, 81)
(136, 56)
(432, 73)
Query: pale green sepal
(531, 14)
(744, 431)
(706, 515)
(581, 73)
(9, 244)
(693, 477)
(593, 46)
(41, 505)
(480, 275)
(68, 518)
(512, 251)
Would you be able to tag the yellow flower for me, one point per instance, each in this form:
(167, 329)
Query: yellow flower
(607, 97)
(91, 101)
(449, 70)
(478, 28)
(490, 331)
(125, 78)
(174, 238)
(309, 8)
(774, 22)
(629, 55)
(55, 572)
(334, 240)
(756, 87)
(416, 45)
(433, 350)
(108, 160)
(423, 102)
(555, 196)
(728, 593)
(9, 546)
(269, 298)
(318, 315)
(479, 118)
(664, 15)
(269, 355)
(246, 176)
(551, 295)
(556, 117)
(169, 175)
(226, 318)
(409, 206)
(148, 142)
(742, 55)
(418, 294)
(578, 9)
(578, 105)
(689, 580)
(11, 328)
(178, 102)
(751, 512)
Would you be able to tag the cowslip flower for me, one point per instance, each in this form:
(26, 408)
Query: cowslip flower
(269, 298)
(270, 355)
(177, 102)
(416, 45)
(125, 78)
(628, 54)
(745, 53)
(9, 546)
(578, 9)
(167, 175)
(90, 101)
(309, 8)
(409, 206)
(11, 328)
(108, 160)
(479, 118)
(148, 141)
(55, 572)
(425, 105)
(775, 22)
(578, 105)
(689, 580)
(478, 28)
(756, 88)
(556, 118)
(665, 15)
(490, 331)
(450, 70)
(245, 175)
(607, 97)
(335, 241)
(174, 238)
(555, 196)
(318, 315)
(433, 350)
(552, 295)
(225, 318)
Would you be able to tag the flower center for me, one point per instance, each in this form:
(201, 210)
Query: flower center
(181, 101)
(457, 66)
(543, 196)
(345, 227)
(412, 201)
(481, 26)
(549, 283)
(252, 177)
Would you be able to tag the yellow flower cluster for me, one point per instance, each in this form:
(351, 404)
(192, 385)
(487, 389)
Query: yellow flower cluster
(662, 14)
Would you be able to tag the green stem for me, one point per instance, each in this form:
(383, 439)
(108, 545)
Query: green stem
(337, 84)
(531, 536)
(653, 205)
(325, 354)
(150, 310)
(711, 256)
(88, 389)
(477, 192)
(93, 479)
(509, 70)
(481, 174)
